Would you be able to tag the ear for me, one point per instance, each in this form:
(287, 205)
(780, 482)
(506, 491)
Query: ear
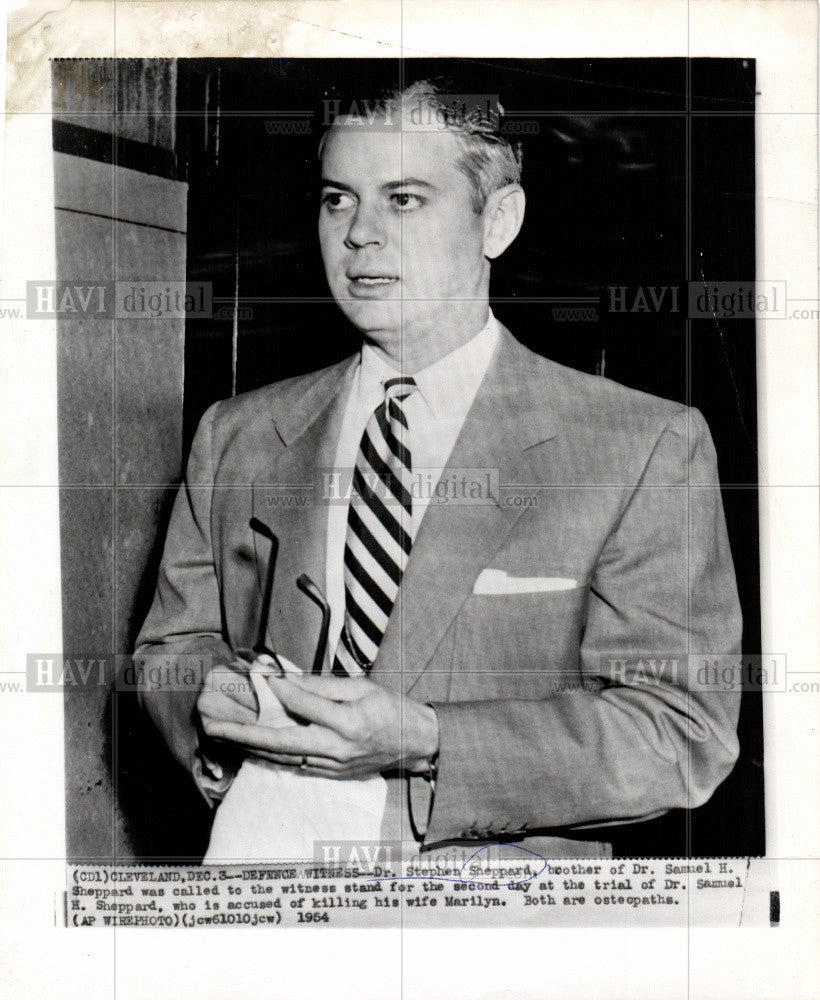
(503, 215)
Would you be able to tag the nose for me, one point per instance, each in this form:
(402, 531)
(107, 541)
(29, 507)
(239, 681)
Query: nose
(365, 229)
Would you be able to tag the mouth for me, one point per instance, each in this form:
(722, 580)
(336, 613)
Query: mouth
(372, 279)
(364, 284)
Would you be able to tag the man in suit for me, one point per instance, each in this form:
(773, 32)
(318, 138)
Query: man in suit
(487, 658)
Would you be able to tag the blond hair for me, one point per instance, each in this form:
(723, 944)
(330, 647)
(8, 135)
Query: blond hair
(488, 160)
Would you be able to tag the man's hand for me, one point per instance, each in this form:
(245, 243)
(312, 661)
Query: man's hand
(351, 727)
(227, 695)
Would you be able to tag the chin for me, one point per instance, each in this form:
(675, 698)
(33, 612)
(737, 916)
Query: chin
(379, 320)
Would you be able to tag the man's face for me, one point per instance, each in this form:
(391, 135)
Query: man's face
(402, 245)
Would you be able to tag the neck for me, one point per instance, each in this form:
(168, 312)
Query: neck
(410, 351)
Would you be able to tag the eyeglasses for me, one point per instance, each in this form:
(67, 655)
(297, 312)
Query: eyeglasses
(308, 587)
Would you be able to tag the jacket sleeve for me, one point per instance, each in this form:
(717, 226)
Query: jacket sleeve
(182, 635)
(637, 738)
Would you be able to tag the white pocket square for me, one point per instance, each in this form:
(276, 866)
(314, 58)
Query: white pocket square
(497, 581)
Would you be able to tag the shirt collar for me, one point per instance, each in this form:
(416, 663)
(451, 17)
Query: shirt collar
(449, 385)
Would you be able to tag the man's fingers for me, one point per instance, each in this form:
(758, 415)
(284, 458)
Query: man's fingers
(319, 767)
(300, 740)
(334, 688)
(314, 707)
(230, 684)
(289, 760)
(220, 706)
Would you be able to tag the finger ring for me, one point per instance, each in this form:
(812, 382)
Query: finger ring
(303, 763)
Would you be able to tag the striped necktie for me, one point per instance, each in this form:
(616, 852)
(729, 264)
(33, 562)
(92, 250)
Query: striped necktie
(379, 531)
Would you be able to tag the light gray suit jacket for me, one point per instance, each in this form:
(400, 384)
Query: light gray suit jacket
(552, 720)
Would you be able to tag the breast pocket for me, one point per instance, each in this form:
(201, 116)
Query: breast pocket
(517, 645)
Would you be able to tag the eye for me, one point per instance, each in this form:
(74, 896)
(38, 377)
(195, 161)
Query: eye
(337, 201)
(404, 201)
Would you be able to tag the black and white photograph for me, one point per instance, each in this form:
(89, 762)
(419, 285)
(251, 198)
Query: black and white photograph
(518, 627)
(427, 483)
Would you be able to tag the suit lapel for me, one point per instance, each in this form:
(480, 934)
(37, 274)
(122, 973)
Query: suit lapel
(455, 542)
(508, 419)
(287, 499)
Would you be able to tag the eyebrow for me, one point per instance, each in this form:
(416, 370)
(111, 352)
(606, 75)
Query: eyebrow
(327, 182)
(407, 182)
(390, 186)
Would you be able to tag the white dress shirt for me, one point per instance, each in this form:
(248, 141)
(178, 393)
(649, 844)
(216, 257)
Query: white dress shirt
(435, 415)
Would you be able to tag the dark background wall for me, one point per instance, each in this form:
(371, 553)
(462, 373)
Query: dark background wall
(638, 173)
